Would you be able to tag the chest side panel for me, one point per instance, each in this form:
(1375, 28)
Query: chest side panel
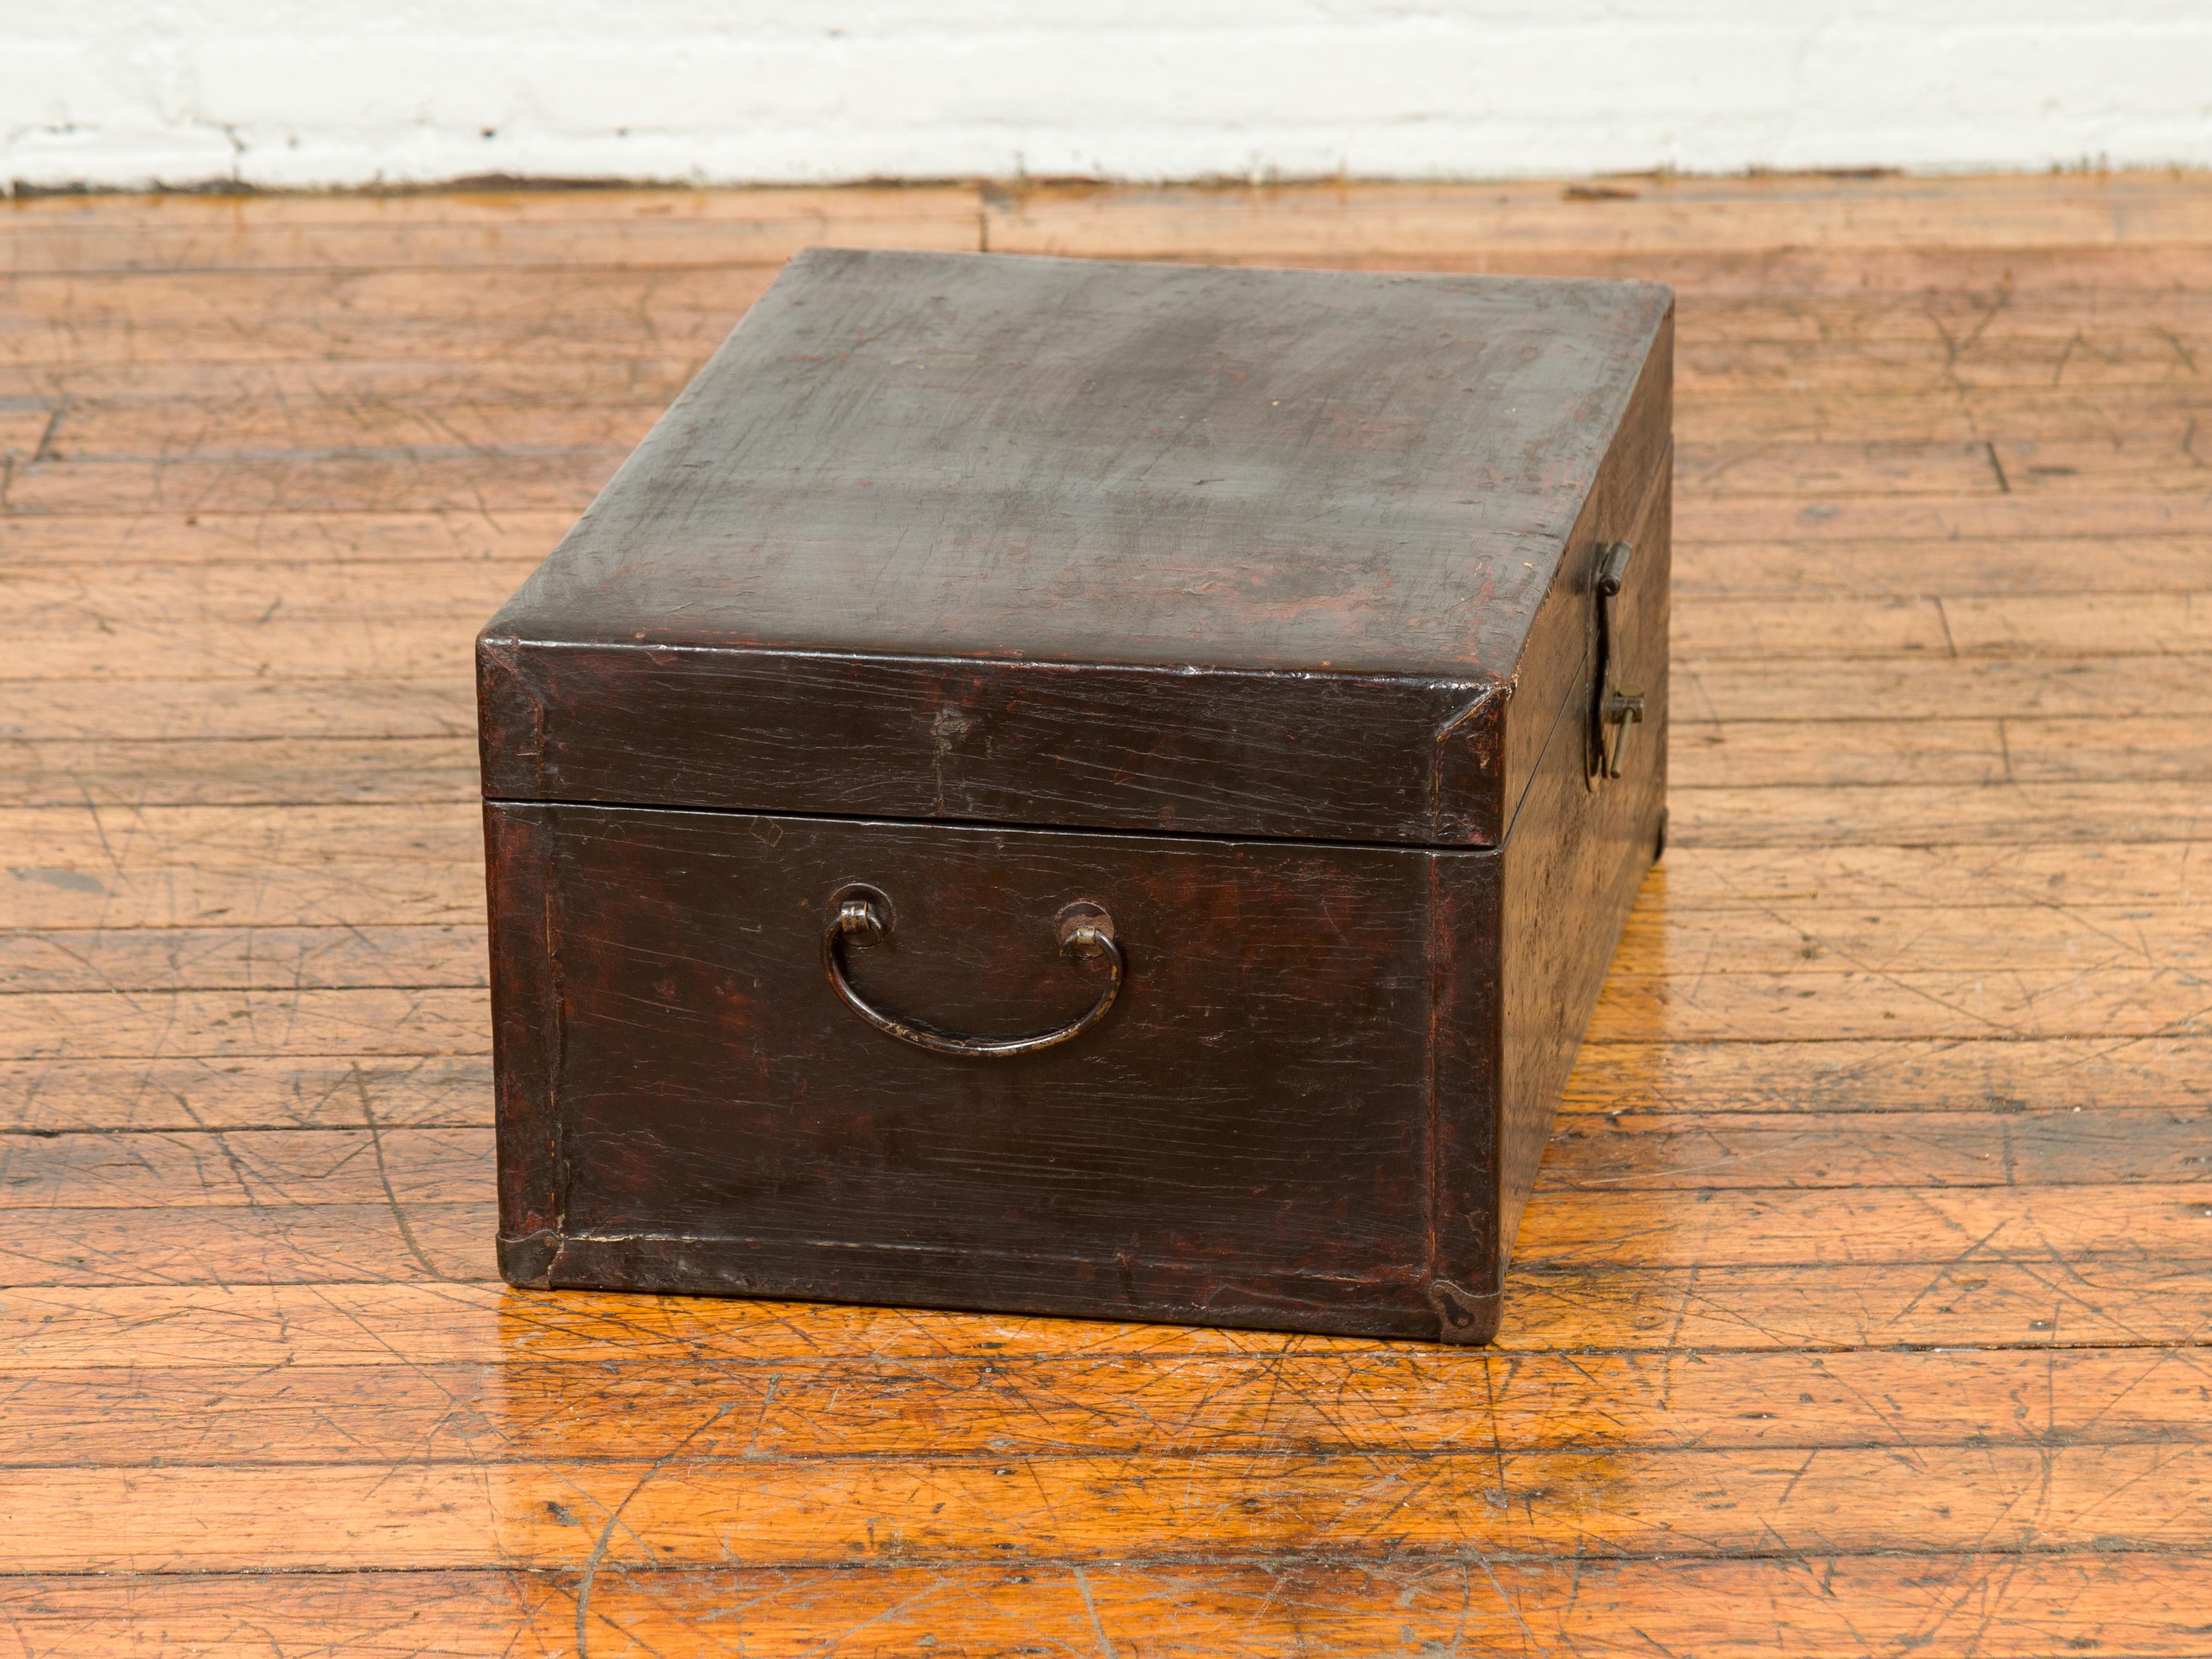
(1570, 869)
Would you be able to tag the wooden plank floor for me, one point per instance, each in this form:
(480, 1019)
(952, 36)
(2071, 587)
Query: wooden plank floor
(1864, 1306)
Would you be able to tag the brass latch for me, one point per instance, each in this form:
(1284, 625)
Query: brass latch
(1624, 707)
(1619, 707)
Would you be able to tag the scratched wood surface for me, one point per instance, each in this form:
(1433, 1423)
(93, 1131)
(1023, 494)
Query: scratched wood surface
(1864, 1303)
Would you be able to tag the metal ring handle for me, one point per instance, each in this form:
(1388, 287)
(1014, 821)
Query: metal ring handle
(863, 921)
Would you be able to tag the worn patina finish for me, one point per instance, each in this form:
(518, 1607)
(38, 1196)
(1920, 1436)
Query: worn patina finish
(1279, 615)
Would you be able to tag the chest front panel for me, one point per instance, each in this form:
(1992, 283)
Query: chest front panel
(1259, 1100)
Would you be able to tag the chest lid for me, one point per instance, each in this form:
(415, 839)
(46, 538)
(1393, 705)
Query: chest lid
(969, 537)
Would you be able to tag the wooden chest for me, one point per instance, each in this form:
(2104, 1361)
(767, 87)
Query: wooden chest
(1082, 788)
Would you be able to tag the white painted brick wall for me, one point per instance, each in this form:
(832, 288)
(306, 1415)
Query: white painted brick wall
(318, 92)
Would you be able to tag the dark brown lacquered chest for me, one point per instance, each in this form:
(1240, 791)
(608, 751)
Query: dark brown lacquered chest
(1082, 788)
